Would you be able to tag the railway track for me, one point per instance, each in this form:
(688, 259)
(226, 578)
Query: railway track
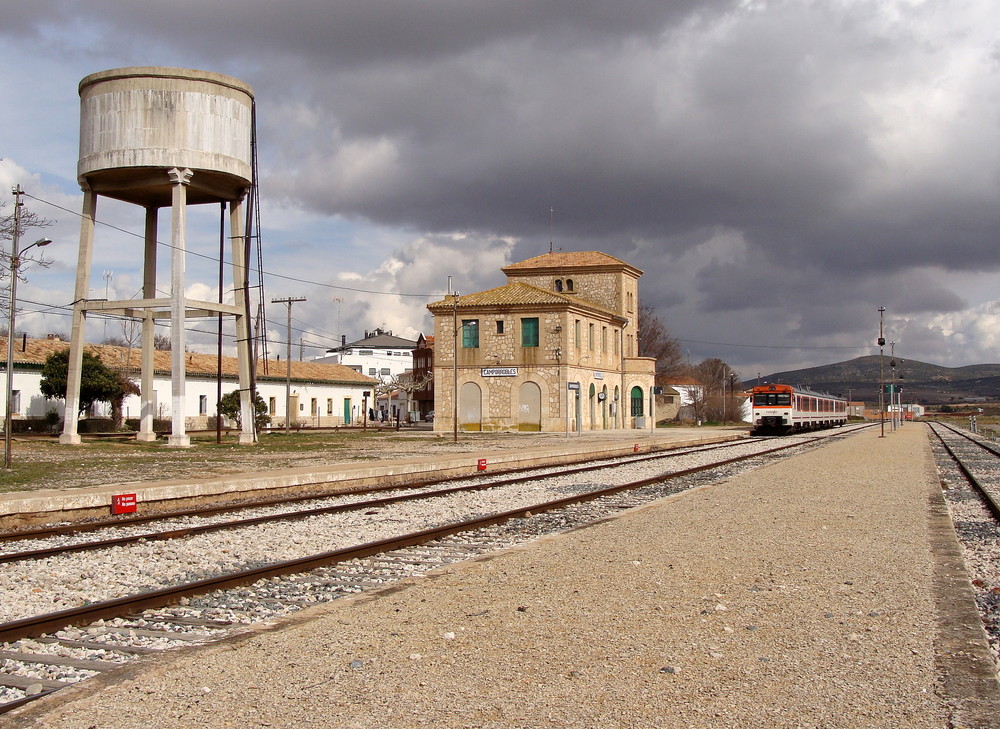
(179, 524)
(976, 459)
(969, 467)
(42, 652)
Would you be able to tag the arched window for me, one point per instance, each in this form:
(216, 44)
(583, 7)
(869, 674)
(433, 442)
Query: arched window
(636, 397)
(559, 285)
(569, 285)
(529, 400)
(470, 407)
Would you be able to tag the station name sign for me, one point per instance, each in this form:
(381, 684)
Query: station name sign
(499, 371)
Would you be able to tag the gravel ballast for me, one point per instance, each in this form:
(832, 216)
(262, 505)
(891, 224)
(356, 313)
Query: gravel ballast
(802, 594)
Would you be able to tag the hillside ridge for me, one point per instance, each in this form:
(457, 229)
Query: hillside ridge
(921, 382)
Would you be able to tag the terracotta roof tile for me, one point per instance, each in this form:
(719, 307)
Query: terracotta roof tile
(568, 259)
(197, 364)
(514, 294)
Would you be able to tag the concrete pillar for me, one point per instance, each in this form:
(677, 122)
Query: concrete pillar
(148, 331)
(179, 179)
(243, 350)
(78, 336)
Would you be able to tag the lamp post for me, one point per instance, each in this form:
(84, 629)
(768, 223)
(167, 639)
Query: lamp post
(15, 265)
(881, 372)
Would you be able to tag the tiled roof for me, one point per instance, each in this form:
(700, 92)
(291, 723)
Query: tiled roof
(568, 260)
(514, 294)
(197, 364)
(381, 341)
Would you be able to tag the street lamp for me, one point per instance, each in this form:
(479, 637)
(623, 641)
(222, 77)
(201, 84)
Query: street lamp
(15, 265)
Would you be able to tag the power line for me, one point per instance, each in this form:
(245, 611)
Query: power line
(410, 295)
(266, 273)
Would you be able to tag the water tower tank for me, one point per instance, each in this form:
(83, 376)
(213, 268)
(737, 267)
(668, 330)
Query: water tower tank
(164, 137)
(136, 123)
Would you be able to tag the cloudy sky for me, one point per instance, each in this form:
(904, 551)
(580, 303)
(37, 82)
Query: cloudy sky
(779, 170)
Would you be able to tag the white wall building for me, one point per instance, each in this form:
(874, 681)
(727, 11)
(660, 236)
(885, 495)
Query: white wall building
(321, 394)
(379, 354)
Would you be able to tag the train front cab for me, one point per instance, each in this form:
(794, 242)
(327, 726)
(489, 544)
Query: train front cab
(772, 410)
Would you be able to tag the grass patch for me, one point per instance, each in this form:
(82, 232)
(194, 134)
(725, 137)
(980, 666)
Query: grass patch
(45, 463)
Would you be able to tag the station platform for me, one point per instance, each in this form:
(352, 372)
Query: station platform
(824, 590)
(432, 461)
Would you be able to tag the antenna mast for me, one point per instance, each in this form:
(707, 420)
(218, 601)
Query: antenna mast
(552, 211)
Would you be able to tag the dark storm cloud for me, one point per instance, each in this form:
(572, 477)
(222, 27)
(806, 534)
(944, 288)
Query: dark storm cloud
(377, 32)
(775, 167)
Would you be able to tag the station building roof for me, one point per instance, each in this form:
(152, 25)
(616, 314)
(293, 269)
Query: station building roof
(516, 293)
(571, 260)
(32, 353)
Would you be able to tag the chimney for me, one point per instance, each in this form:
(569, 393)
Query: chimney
(343, 340)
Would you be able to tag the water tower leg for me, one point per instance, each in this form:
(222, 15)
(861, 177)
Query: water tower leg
(179, 179)
(146, 397)
(243, 351)
(70, 434)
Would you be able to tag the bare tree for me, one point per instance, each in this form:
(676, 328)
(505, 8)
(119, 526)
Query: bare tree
(28, 220)
(655, 341)
(718, 401)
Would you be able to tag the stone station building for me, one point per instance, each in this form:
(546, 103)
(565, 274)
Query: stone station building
(554, 349)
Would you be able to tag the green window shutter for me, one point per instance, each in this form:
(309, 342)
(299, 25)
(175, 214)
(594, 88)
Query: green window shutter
(470, 333)
(529, 332)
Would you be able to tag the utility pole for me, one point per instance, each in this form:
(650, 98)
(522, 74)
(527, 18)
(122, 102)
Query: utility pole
(288, 360)
(15, 272)
(881, 372)
(454, 370)
(892, 388)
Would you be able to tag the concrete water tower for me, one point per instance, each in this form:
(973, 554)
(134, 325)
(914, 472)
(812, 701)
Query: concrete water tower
(163, 137)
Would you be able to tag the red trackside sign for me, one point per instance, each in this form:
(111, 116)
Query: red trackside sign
(123, 504)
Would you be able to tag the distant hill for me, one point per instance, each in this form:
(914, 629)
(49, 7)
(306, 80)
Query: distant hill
(920, 382)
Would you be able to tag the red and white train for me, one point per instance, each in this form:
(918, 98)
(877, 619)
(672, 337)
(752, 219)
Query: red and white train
(782, 409)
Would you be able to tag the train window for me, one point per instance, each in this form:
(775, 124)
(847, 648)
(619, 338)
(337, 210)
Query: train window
(763, 399)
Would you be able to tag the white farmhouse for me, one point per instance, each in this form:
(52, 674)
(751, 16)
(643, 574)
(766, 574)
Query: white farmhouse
(379, 354)
(320, 395)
